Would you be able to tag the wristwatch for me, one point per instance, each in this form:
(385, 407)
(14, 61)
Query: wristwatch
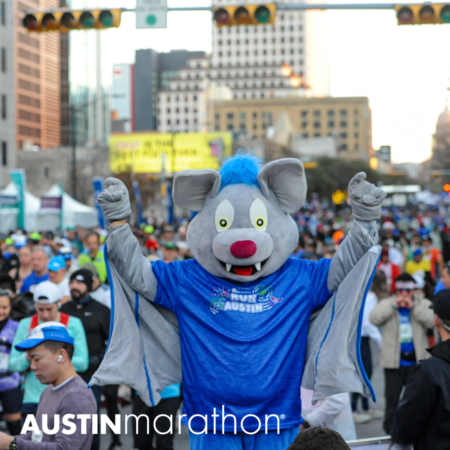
(13, 445)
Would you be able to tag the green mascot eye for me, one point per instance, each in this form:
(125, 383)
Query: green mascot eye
(260, 222)
(224, 216)
(223, 223)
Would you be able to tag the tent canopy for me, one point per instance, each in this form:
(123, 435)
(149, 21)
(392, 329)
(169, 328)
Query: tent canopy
(9, 216)
(74, 212)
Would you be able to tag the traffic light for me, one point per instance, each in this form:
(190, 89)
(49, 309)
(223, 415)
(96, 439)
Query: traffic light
(227, 16)
(66, 20)
(423, 14)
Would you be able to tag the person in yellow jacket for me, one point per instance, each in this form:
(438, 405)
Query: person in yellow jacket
(94, 255)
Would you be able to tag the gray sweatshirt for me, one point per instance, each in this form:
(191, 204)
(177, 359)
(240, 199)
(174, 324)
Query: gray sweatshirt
(72, 397)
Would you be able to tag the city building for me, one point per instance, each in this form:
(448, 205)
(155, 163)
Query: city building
(440, 158)
(183, 102)
(253, 55)
(123, 98)
(7, 98)
(153, 73)
(37, 82)
(348, 119)
(248, 60)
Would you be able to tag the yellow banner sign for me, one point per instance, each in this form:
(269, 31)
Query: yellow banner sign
(146, 152)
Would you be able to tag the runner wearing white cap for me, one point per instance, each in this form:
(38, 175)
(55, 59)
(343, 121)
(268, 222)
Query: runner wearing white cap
(46, 297)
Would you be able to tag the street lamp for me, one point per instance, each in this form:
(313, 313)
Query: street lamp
(286, 70)
(296, 81)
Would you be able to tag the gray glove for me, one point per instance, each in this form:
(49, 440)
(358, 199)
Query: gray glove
(366, 199)
(115, 200)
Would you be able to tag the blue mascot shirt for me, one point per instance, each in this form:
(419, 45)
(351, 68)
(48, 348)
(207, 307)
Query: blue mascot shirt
(243, 345)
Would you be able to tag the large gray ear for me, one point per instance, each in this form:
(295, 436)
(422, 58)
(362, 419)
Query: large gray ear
(286, 179)
(191, 187)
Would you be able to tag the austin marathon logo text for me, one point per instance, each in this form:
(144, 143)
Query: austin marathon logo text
(69, 423)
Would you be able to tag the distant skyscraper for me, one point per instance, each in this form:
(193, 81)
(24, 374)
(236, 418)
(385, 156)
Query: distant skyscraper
(7, 98)
(37, 82)
(153, 72)
(297, 38)
(123, 98)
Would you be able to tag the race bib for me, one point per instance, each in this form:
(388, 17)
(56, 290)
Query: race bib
(406, 333)
(4, 362)
(36, 437)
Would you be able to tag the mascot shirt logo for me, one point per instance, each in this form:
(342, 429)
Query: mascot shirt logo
(251, 301)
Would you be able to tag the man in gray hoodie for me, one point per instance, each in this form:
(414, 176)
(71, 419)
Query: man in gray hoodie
(50, 349)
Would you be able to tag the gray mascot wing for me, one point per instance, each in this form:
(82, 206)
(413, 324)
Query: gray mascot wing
(333, 361)
(144, 345)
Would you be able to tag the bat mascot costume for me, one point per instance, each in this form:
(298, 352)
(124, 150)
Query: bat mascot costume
(242, 325)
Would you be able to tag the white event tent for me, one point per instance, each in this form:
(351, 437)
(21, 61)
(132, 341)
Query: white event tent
(74, 213)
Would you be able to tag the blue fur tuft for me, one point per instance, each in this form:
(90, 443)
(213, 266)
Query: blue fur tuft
(240, 169)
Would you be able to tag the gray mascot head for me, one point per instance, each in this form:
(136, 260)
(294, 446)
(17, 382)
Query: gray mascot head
(243, 230)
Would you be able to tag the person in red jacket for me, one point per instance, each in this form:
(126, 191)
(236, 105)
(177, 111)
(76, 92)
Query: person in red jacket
(390, 269)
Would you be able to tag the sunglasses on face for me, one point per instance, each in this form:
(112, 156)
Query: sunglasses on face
(404, 291)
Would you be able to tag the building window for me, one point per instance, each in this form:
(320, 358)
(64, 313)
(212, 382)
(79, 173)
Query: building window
(217, 127)
(356, 135)
(343, 147)
(242, 126)
(316, 113)
(4, 154)
(242, 116)
(344, 135)
(186, 122)
(217, 116)
(230, 127)
(3, 60)
(330, 113)
(168, 110)
(343, 124)
(356, 123)
(304, 125)
(356, 147)
(331, 124)
(3, 13)
(304, 113)
(168, 121)
(343, 113)
(317, 135)
(255, 115)
(316, 124)
(356, 112)
(306, 135)
(3, 107)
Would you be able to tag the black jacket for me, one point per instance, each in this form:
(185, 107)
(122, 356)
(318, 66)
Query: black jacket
(95, 318)
(423, 415)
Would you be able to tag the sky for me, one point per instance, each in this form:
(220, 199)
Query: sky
(404, 71)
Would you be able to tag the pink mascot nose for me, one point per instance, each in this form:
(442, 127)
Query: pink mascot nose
(243, 249)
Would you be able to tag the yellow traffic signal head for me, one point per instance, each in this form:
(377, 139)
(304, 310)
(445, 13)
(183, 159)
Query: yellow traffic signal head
(245, 15)
(65, 21)
(423, 14)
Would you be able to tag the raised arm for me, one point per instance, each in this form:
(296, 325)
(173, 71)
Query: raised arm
(366, 200)
(123, 248)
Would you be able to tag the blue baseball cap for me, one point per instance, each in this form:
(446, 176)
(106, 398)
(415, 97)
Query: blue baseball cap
(417, 252)
(56, 263)
(48, 331)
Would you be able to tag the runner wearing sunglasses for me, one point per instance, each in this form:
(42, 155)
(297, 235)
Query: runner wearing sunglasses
(404, 318)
